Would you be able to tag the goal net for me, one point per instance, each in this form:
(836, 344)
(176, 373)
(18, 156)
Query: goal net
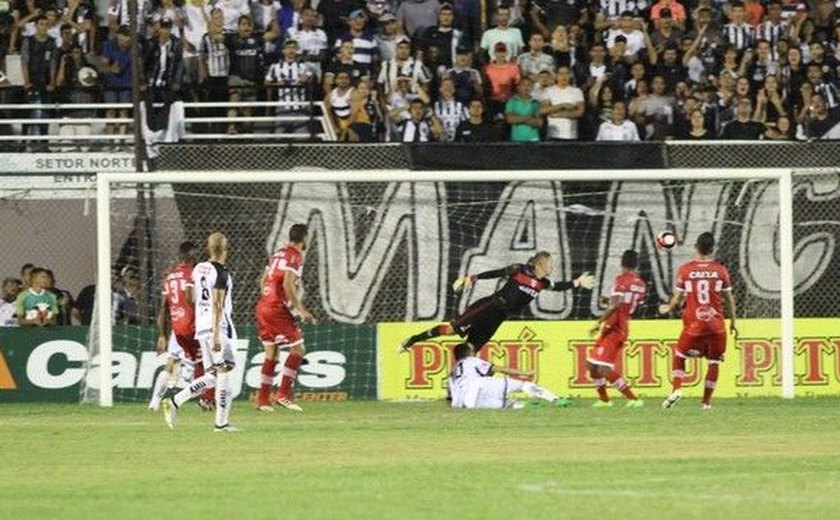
(386, 247)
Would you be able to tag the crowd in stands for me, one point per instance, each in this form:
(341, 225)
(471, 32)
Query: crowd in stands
(34, 300)
(470, 71)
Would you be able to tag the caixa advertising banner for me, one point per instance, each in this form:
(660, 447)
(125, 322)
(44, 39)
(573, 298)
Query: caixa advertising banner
(556, 352)
(49, 364)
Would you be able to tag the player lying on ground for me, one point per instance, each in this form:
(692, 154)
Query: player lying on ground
(472, 385)
(480, 320)
(180, 344)
(212, 290)
(628, 291)
(278, 311)
(705, 285)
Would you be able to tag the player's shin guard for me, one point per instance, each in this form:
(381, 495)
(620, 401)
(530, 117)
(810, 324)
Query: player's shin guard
(205, 382)
(266, 381)
(290, 370)
(600, 385)
(677, 372)
(711, 381)
(159, 389)
(621, 384)
(537, 391)
(224, 399)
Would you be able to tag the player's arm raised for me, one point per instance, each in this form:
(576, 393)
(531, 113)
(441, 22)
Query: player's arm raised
(585, 280)
(466, 281)
(614, 302)
(673, 303)
(730, 306)
(290, 287)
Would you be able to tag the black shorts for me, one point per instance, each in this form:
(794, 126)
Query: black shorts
(479, 322)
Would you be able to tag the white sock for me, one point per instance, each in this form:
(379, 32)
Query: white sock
(199, 385)
(537, 391)
(223, 399)
(159, 389)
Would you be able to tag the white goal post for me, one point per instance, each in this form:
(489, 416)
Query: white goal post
(104, 182)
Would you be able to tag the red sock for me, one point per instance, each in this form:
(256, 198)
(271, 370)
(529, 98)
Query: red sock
(711, 382)
(290, 370)
(621, 384)
(677, 372)
(198, 371)
(266, 381)
(600, 385)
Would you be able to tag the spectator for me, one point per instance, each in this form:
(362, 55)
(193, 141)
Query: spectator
(417, 16)
(444, 35)
(627, 33)
(503, 33)
(83, 309)
(670, 8)
(232, 10)
(502, 76)
(671, 69)
(345, 63)
(289, 15)
(753, 12)
(398, 103)
(7, 28)
(618, 128)
(266, 28)
(773, 28)
(38, 56)
(64, 299)
(476, 129)
(793, 76)
(637, 73)
(546, 15)
(365, 115)
(773, 106)
(738, 32)
(389, 37)
(292, 77)
(214, 64)
(564, 106)
(828, 64)
(820, 120)
(522, 113)
(697, 128)
(195, 27)
(820, 86)
(25, 273)
(77, 83)
(403, 64)
(781, 131)
(365, 49)
(125, 303)
(246, 70)
(10, 289)
(312, 41)
(334, 13)
(545, 80)
(743, 127)
(761, 66)
(36, 306)
(164, 69)
(449, 111)
(421, 126)
(667, 32)
(532, 62)
(337, 102)
(118, 15)
(701, 58)
(116, 63)
(657, 112)
(467, 79)
(601, 102)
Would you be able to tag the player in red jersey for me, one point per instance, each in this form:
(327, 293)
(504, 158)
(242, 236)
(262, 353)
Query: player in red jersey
(278, 311)
(705, 286)
(179, 342)
(629, 290)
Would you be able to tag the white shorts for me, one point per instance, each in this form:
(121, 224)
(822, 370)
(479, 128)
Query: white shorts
(490, 392)
(212, 359)
(174, 349)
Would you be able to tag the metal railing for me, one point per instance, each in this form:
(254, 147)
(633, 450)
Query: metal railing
(265, 128)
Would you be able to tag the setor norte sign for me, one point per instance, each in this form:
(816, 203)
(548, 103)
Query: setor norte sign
(556, 352)
(49, 364)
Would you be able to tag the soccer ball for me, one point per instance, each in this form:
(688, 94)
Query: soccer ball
(665, 240)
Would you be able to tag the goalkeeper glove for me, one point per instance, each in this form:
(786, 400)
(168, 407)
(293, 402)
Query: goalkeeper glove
(586, 280)
(462, 283)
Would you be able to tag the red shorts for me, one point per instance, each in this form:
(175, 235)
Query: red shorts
(192, 349)
(278, 328)
(607, 348)
(711, 346)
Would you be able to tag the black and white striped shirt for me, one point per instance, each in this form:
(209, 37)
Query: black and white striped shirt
(772, 32)
(829, 94)
(293, 75)
(340, 103)
(391, 70)
(741, 36)
(614, 8)
(217, 56)
(416, 132)
(451, 114)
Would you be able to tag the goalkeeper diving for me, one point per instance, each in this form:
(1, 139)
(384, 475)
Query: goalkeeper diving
(482, 319)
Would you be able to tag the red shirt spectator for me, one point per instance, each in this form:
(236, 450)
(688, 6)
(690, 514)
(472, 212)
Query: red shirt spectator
(502, 75)
(676, 8)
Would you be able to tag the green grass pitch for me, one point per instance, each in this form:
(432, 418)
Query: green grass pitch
(754, 458)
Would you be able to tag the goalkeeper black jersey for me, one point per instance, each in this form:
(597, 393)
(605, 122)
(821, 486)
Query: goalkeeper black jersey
(521, 287)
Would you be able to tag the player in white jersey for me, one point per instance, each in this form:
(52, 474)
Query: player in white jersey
(213, 287)
(472, 385)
